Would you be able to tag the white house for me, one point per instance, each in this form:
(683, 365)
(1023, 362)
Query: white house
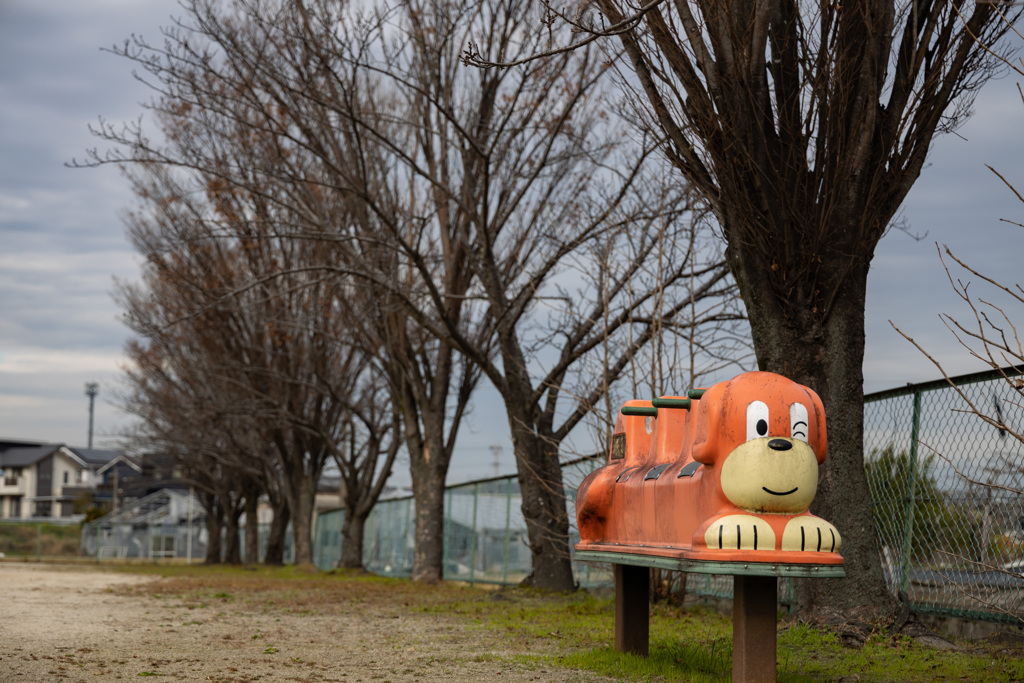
(44, 480)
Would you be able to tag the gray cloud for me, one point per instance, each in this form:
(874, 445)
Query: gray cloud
(62, 241)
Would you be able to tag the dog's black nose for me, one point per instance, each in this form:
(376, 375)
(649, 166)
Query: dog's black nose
(779, 445)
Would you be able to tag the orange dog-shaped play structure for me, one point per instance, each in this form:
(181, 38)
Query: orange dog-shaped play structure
(725, 475)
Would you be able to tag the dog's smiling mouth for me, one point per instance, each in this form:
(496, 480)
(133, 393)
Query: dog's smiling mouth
(776, 493)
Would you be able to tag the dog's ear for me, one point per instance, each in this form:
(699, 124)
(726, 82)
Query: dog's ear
(819, 438)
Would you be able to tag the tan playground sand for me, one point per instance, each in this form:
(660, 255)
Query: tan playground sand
(75, 623)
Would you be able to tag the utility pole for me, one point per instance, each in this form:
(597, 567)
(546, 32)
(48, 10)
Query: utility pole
(91, 389)
(496, 452)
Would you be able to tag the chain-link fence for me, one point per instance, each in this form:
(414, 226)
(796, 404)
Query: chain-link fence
(953, 545)
(165, 525)
(484, 532)
(947, 492)
(156, 542)
(38, 538)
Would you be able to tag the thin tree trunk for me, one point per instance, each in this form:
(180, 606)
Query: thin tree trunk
(352, 540)
(300, 504)
(214, 529)
(232, 545)
(252, 526)
(278, 535)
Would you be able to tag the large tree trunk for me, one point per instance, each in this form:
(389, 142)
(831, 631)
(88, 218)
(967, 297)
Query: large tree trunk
(428, 466)
(835, 372)
(352, 540)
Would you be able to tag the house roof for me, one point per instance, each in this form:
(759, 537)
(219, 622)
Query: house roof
(6, 444)
(26, 456)
(122, 458)
(94, 456)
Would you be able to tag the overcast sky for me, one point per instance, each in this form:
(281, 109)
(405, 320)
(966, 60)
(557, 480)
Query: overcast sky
(62, 241)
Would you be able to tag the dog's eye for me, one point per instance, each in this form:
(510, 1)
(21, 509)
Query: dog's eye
(757, 420)
(798, 421)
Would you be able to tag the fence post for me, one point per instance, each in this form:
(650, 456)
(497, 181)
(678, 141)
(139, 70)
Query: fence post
(369, 549)
(908, 521)
(445, 533)
(390, 544)
(405, 537)
(472, 547)
(188, 554)
(508, 528)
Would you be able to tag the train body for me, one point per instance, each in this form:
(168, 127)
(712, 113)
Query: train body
(725, 474)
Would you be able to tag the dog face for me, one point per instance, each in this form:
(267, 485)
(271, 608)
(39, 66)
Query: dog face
(766, 436)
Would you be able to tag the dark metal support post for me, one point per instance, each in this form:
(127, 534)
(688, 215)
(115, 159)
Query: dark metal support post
(753, 629)
(91, 389)
(908, 524)
(632, 609)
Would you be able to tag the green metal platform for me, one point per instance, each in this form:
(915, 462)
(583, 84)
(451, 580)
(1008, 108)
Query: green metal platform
(817, 571)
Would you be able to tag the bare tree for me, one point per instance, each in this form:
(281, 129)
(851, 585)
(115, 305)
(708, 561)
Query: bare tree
(257, 99)
(559, 366)
(358, 461)
(527, 179)
(453, 196)
(236, 306)
(181, 419)
(431, 384)
(804, 126)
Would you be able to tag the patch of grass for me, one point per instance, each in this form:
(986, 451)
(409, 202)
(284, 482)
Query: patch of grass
(28, 539)
(577, 630)
(804, 650)
(670, 664)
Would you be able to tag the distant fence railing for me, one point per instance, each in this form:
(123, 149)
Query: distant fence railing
(484, 532)
(947, 543)
(154, 541)
(38, 537)
(946, 489)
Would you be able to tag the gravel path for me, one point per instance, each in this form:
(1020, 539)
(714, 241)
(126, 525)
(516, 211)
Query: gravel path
(74, 623)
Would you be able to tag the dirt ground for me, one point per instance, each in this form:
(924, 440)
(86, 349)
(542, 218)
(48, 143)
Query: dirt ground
(75, 623)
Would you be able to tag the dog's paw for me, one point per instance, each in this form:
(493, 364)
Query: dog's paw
(808, 533)
(740, 532)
